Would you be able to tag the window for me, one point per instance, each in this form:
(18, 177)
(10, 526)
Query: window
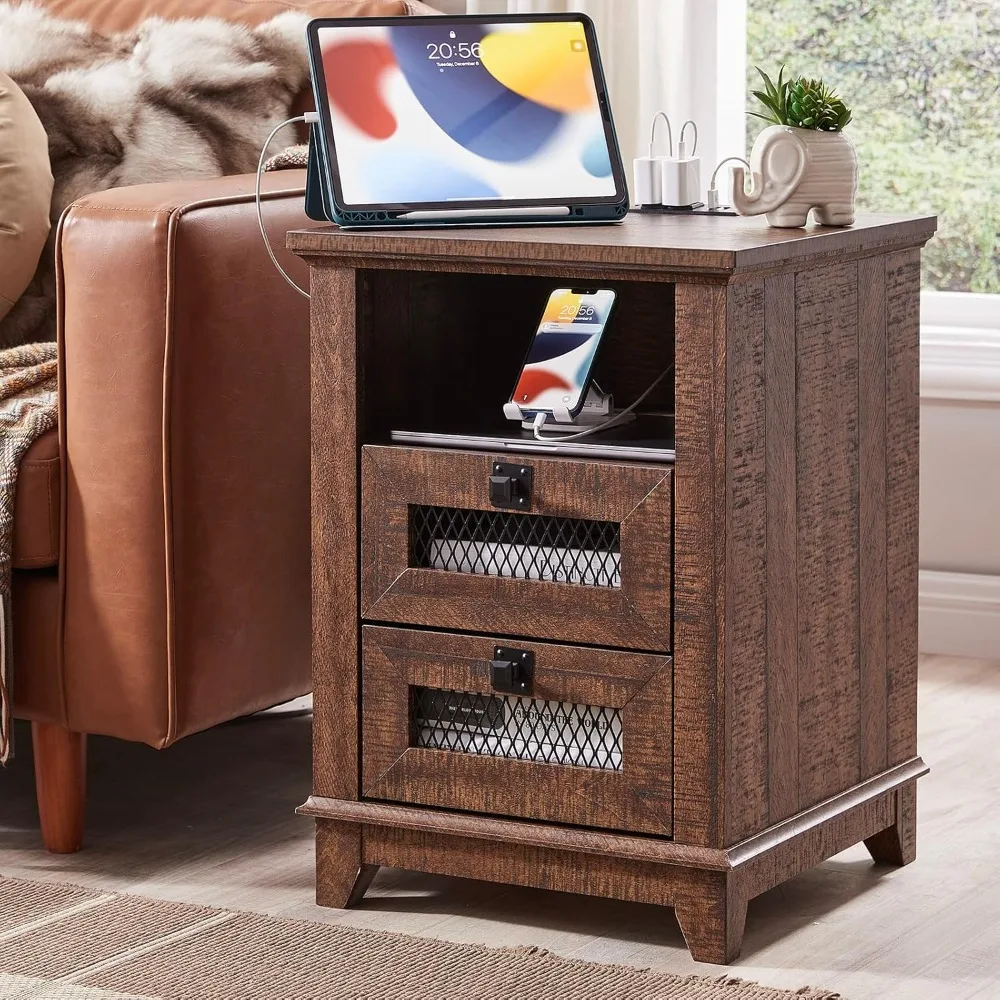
(922, 78)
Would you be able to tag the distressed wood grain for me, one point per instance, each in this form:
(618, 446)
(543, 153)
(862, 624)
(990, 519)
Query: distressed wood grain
(872, 622)
(902, 313)
(781, 507)
(674, 248)
(827, 530)
(699, 568)
(746, 662)
(334, 395)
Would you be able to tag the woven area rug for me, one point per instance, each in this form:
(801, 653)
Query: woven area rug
(62, 942)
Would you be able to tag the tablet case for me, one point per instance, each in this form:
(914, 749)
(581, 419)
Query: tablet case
(317, 200)
(320, 205)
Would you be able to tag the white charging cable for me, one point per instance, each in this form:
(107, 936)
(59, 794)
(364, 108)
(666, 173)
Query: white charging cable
(647, 186)
(712, 199)
(309, 117)
(542, 416)
(682, 145)
(660, 116)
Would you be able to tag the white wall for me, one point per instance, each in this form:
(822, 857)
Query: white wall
(685, 57)
(960, 476)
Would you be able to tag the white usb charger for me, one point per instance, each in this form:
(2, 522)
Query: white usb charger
(681, 177)
(647, 173)
(668, 181)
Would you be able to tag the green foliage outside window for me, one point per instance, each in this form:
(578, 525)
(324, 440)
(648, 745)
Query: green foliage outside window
(923, 80)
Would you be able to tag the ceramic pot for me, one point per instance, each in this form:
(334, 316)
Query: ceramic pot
(795, 170)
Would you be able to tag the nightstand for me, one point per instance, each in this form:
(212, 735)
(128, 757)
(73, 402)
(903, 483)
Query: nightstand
(680, 683)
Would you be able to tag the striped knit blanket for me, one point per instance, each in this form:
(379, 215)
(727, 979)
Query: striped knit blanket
(290, 158)
(28, 408)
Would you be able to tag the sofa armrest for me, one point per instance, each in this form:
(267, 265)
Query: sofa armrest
(184, 429)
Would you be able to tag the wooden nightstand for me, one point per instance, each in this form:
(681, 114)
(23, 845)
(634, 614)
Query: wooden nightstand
(724, 656)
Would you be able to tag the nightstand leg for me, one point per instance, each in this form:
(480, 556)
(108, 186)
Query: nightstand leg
(712, 917)
(341, 878)
(897, 844)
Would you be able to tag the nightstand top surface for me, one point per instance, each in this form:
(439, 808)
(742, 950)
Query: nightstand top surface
(721, 244)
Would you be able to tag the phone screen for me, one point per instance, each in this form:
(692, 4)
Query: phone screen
(557, 369)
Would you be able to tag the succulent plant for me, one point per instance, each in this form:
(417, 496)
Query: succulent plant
(802, 103)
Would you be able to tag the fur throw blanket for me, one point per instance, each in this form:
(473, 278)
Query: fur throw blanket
(168, 101)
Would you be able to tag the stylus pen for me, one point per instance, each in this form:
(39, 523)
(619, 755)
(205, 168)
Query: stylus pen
(469, 213)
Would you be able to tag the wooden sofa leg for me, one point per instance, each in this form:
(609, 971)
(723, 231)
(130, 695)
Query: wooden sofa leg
(60, 785)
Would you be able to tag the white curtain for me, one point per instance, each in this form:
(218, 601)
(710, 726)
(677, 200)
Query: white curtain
(686, 57)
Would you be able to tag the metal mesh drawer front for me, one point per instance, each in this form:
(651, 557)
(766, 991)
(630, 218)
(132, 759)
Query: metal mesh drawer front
(522, 546)
(517, 728)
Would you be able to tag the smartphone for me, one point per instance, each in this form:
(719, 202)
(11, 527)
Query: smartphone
(558, 368)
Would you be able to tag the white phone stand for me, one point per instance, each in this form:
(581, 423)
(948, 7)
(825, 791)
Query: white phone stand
(597, 408)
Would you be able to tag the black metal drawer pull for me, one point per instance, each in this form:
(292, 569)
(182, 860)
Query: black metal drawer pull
(510, 485)
(512, 670)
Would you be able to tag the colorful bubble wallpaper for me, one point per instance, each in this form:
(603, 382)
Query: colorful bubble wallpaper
(432, 113)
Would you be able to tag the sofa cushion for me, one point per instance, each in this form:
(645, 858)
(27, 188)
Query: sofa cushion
(36, 506)
(25, 192)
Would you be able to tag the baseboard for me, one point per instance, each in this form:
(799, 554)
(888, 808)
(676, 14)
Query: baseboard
(960, 347)
(960, 614)
(960, 365)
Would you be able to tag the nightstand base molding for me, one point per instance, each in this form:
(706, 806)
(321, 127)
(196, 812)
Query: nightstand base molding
(708, 888)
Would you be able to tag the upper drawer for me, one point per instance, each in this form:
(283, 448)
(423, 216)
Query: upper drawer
(588, 562)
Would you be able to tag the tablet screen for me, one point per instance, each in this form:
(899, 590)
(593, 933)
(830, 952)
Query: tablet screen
(443, 110)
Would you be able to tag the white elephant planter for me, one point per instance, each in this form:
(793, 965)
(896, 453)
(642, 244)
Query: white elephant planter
(795, 170)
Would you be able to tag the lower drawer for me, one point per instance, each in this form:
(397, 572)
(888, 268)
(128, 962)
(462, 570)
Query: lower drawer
(590, 744)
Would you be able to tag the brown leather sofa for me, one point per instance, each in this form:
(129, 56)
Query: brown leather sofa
(161, 547)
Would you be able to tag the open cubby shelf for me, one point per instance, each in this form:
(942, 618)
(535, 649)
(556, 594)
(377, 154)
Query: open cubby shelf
(449, 347)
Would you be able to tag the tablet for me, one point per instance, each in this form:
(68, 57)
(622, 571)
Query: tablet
(475, 117)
